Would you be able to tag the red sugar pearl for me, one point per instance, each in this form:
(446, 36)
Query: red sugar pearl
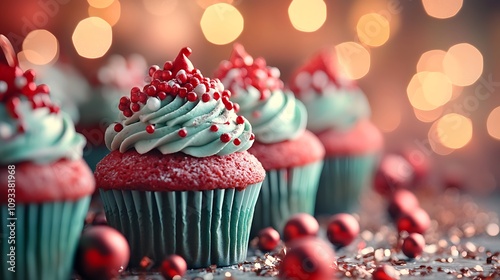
(150, 90)
(166, 75)
(124, 100)
(252, 137)
(299, 226)
(216, 95)
(55, 109)
(182, 78)
(413, 245)
(240, 120)
(182, 92)
(153, 69)
(229, 105)
(225, 137)
(226, 93)
(162, 95)
(192, 96)
(122, 107)
(155, 83)
(236, 107)
(118, 127)
(127, 113)
(214, 128)
(135, 90)
(189, 87)
(135, 107)
(173, 265)
(205, 97)
(269, 239)
(237, 142)
(150, 129)
(194, 81)
(182, 132)
(143, 97)
(168, 65)
(415, 221)
(134, 97)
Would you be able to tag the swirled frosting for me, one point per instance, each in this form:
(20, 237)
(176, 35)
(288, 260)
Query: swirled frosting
(180, 111)
(32, 128)
(332, 100)
(275, 114)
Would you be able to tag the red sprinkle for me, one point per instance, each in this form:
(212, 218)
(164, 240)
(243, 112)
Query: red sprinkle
(127, 113)
(153, 69)
(182, 132)
(135, 90)
(168, 65)
(124, 100)
(205, 97)
(237, 142)
(192, 96)
(236, 107)
(135, 107)
(162, 95)
(118, 127)
(150, 90)
(143, 97)
(252, 136)
(214, 128)
(225, 137)
(216, 95)
(240, 120)
(229, 105)
(150, 129)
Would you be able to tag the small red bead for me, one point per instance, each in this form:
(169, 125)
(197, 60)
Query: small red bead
(55, 109)
(153, 69)
(173, 265)
(124, 100)
(182, 78)
(175, 89)
(252, 136)
(143, 97)
(127, 113)
(216, 95)
(150, 90)
(229, 105)
(402, 202)
(225, 137)
(226, 93)
(236, 107)
(123, 107)
(269, 239)
(413, 245)
(237, 142)
(205, 97)
(134, 97)
(182, 132)
(214, 128)
(135, 90)
(342, 230)
(157, 75)
(299, 226)
(194, 81)
(189, 87)
(135, 107)
(162, 86)
(240, 120)
(166, 75)
(150, 129)
(182, 92)
(162, 95)
(192, 96)
(264, 94)
(118, 127)
(415, 221)
(156, 83)
(168, 65)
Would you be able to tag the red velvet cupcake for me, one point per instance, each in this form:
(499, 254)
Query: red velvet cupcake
(178, 179)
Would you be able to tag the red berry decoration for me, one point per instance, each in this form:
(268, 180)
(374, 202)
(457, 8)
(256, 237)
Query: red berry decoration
(417, 221)
(385, 272)
(102, 253)
(308, 258)
(413, 245)
(173, 265)
(402, 202)
(393, 173)
(342, 230)
(300, 225)
(269, 239)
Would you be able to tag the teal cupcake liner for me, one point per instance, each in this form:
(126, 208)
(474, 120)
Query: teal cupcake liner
(286, 192)
(46, 238)
(342, 181)
(204, 227)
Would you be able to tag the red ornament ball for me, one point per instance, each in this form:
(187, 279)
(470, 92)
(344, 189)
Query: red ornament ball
(385, 272)
(300, 225)
(102, 253)
(416, 221)
(172, 266)
(402, 202)
(269, 239)
(342, 230)
(308, 258)
(413, 245)
(393, 173)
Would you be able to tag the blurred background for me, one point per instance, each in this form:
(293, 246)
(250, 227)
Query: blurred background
(430, 68)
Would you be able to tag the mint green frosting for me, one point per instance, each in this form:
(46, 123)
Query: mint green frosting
(173, 114)
(48, 137)
(280, 117)
(335, 108)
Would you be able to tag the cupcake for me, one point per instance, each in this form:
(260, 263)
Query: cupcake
(115, 79)
(45, 184)
(291, 155)
(338, 113)
(179, 179)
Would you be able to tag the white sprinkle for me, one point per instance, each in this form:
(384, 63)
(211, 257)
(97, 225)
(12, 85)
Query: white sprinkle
(303, 80)
(200, 89)
(20, 82)
(3, 86)
(5, 131)
(153, 104)
(275, 72)
(319, 79)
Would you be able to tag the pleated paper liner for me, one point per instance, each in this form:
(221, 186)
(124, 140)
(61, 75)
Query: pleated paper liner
(204, 227)
(342, 181)
(46, 239)
(286, 192)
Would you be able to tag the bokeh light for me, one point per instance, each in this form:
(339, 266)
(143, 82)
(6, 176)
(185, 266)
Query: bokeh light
(431, 61)
(387, 120)
(442, 8)
(111, 14)
(221, 23)
(92, 37)
(390, 10)
(493, 123)
(307, 15)
(463, 64)
(434, 137)
(373, 29)
(455, 130)
(100, 4)
(41, 47)
(206, 3)
(160, 7)
(428, 116)
(354, 59)
(429, 90)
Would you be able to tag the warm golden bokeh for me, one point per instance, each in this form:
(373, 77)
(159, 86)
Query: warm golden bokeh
(221, 23)
(100, 4)
(160, 7)
(373, 29)
(92, 37)
(493, 123)
(455, 130)
(431, 61)
(442, 8)
(428, 116)
(434, 137)
(436, 88)
(111, 14)
(389, 9)
(354, 59)
(41, 47)
(307, 15)
(463, 64)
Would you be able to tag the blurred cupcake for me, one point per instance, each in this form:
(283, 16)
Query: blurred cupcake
(46, 186)
(116, 78)
(338, 113)
(179, 179)
(291, 155)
